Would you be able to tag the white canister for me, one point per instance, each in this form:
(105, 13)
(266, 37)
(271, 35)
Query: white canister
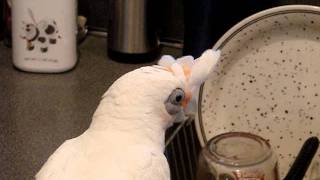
(44, 35)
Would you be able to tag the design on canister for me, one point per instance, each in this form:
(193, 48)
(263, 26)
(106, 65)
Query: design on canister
(40, 35)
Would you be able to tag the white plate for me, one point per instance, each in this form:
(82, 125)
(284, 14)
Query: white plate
(268, 81)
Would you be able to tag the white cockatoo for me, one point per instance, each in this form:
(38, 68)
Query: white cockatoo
(125, 140)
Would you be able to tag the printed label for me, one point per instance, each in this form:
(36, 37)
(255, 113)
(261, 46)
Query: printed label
(40, 35)
(41, 59)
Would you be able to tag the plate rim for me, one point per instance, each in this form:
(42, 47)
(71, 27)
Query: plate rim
(286, 9)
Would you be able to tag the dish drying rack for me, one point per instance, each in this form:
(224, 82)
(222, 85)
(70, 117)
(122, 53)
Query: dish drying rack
(182, 149)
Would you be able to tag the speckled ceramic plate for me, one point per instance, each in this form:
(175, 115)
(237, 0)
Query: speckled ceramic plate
(268, 81)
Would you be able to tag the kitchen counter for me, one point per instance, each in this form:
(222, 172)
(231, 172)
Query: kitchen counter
(38, 112)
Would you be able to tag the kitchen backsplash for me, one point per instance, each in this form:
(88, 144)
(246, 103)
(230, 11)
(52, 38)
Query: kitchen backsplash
(171, 14)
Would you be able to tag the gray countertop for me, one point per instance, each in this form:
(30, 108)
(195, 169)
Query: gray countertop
(40, 111)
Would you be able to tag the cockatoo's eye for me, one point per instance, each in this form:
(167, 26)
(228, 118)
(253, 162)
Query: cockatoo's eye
(174, 101)
(177, 96)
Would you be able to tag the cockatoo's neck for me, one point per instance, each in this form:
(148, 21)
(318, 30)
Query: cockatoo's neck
(144, 125)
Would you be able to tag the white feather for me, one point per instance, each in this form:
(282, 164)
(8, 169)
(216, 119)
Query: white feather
(203, 66)
(98, 156)
(178, 71)
(186, 60)
(166, 61)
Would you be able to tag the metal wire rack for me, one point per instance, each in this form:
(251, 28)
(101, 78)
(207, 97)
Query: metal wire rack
(182, 148)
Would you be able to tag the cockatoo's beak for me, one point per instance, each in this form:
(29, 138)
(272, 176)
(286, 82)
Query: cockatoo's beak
(185, 111)
(191, 107)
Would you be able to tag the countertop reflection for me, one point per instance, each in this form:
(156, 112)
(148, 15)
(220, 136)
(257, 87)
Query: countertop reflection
(40, 111)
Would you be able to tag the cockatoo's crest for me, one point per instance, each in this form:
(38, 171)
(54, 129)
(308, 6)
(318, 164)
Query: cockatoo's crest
(192, 72)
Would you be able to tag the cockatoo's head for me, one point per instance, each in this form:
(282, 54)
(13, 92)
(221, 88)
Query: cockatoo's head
(191, 73)
(161, 91)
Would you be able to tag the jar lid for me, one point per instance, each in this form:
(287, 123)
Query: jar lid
(238, 149)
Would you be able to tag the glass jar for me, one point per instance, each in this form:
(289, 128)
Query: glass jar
(237, 156)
